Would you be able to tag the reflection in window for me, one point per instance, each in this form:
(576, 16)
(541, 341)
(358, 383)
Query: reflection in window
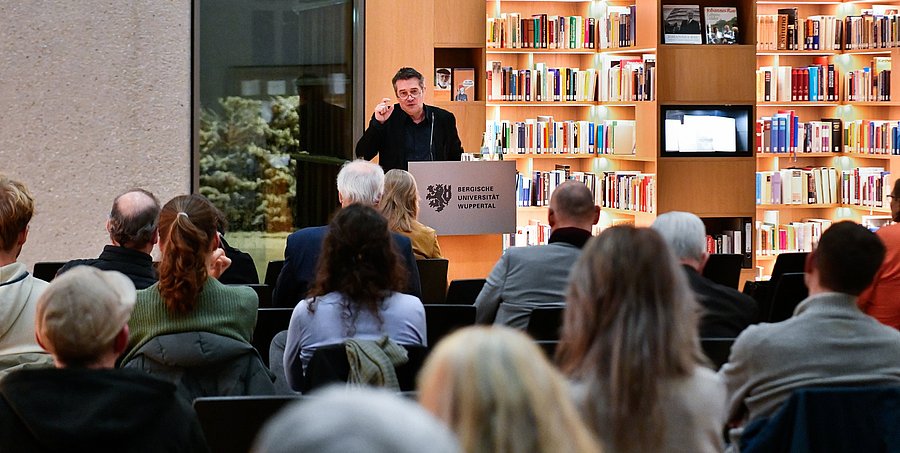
(275, 90)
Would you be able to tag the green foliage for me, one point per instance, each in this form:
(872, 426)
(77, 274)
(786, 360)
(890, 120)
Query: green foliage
(246, 164)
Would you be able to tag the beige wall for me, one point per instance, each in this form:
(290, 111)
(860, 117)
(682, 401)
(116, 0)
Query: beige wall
(94, 99)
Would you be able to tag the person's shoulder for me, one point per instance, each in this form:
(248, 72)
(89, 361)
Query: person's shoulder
(405, 302)
(401, 239)
(307, 234)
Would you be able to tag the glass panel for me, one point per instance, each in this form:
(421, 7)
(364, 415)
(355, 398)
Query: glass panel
(275, 91)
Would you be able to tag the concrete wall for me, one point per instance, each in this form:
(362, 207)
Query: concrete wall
(94, 99)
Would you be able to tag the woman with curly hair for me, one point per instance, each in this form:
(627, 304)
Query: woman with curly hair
(629, 342)
(356, 293)
(495, 388)
(188, 296)
(400, 205)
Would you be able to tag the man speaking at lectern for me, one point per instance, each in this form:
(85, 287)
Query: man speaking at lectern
(418, 132)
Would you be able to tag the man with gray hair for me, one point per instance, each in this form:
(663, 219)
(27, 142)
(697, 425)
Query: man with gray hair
(132, 227)
(726, 312)
(85, 404)
(526, 278)
(355, 420)
(359, 181)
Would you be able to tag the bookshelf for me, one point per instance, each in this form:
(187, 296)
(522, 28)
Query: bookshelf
(789, 220)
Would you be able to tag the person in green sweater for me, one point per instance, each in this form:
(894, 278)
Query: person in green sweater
(188, 296)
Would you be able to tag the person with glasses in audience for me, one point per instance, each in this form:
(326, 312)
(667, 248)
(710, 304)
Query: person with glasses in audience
(419, 133)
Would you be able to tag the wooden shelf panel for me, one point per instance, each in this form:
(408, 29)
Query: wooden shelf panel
(798, 104)
(541, 104)
(770, 207)
(511, 156)
(494, 50)
(805, 53)
(798, 155)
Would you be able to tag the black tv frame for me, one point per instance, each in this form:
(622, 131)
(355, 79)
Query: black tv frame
(744, 128)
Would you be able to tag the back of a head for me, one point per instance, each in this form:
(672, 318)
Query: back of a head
(400, 202)
(684, 232)
(496, 389)
(355, 420)
(358, 258)
(16, 209)
(572, 202)
(133, 218)
(847, 257)
(79, 315)
(187, 231)
(360, 181)
(629, 324)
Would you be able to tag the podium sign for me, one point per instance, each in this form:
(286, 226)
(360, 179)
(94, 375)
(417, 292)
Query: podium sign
(467, 197)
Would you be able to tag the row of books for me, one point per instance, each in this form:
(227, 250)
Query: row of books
(541, 31)
(629, 79)
(786, 31)
(872, 137)
(797, 186)
(730, 241)
(784, 133)
(865, 186)
(540, 83)
(625, 190)
(543, 135)
(870, 84)
(814, 83)
(774, 237)
(876, 28)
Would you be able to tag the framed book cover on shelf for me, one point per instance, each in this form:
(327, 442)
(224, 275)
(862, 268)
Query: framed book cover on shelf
(463, 84)
(442, 84)
(721, 24)
(681, 24)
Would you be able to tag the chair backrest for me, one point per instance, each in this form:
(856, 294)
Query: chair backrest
(717, 350)
(829, 420)
(269, 321)
(549, 348)
(464, 291)
(263, 292)
(790, 290)
(724, 269)
(442, 319)
(329, 365)
(231, 423)
(788, 263)
(433, 279)
(46, 270)
(545, 322)
(272, 271)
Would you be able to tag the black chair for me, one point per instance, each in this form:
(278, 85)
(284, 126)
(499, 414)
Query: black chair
(724, 269)
(269, 321)
(263, 292)
(272, 271)
(443, 319)
(46, 270)
(433, 279)
(549, 348)
(717, 350)
(329, 365)
(231, 423)
(545, 322)
(464, 291)
(789, 291)
(763, 291)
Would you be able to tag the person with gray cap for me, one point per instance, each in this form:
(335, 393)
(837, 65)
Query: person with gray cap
(85, 404)
(355, 420)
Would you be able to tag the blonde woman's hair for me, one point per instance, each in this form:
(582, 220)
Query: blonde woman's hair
(400, 202)
(630, 325)
(496, 390)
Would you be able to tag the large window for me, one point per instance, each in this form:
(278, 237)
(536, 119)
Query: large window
(274, 88)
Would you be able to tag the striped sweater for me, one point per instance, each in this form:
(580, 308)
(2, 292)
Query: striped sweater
(223, 310)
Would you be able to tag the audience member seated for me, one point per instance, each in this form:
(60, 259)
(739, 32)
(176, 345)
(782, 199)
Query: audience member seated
(726, 311)
(132, 228)
(360, 182)
(495, 388)
(400, 205)
(828, 341)
(242, 270)
(629, 343)
(526, 278)
(882, 299)
(85, 404)
(357, 420)
(188, 297)
(356, 293)
(19, 291)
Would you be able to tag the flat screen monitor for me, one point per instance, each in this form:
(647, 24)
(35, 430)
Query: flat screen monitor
(706, 130)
